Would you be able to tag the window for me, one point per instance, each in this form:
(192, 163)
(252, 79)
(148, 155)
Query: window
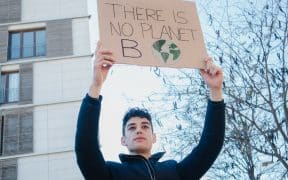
(16, 133)
(9, 87)
(27, 44)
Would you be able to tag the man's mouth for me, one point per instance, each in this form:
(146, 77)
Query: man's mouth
(139, 139)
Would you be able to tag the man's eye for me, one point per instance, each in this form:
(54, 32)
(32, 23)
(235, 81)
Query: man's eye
(131, 128)
(145, 127)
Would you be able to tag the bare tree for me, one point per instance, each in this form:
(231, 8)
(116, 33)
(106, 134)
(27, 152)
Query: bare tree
(250, 41)
(253, 50)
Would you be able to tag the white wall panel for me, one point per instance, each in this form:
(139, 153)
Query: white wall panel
(35, 10)
(59, 166)
(33, 168)
(40, 134)
(81, 37)
(61, 80)
(55, 127)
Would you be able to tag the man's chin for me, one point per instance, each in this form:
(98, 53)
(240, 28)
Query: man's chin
(140, 149)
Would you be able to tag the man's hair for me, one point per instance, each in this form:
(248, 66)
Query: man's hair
(135, 112)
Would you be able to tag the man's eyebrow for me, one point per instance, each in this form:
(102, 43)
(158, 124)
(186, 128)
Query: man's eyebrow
(131, 124)
(146, 123)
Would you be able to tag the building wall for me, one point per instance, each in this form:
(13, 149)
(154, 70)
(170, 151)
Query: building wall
(3, 43)
(10, 11)
(35, 10)
(57, 82)
(56, 166)
(54, 126)
(81, 35)
(66, 79)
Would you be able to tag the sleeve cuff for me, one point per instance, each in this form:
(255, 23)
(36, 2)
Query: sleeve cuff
(92, 100)
(217, 104)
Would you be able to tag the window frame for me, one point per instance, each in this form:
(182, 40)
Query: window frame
(1, 135)
(21, 48)
(7, 85)
(22, 146)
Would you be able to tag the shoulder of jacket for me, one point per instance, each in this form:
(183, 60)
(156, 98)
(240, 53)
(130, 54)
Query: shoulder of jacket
(170, 162)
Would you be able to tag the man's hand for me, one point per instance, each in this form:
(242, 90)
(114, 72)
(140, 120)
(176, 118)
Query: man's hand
(213, 77)
(103, 61)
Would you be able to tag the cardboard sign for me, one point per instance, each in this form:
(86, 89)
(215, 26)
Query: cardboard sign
(163, 33)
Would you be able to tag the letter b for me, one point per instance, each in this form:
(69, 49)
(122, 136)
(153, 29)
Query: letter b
(129, 48)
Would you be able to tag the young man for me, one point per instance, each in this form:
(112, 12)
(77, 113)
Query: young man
(138, 134)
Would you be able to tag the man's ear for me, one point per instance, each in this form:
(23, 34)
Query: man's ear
(154, 138)
(123, 141)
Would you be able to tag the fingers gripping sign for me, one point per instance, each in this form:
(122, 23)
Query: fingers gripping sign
(213, 77)
(105, 58)
(103, 61)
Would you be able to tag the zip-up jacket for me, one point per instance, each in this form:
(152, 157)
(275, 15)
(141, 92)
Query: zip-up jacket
(135, 167)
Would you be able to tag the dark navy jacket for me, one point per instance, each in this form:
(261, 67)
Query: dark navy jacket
(135, 167)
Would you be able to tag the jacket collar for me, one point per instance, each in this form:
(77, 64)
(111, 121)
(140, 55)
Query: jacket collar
(128, 158)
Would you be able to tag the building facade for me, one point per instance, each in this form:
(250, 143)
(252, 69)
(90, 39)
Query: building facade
(45, 64)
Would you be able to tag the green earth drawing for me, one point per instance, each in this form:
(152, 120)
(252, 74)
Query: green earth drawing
(166, 50)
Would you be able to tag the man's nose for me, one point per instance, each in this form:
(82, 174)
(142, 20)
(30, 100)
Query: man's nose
(138, 130)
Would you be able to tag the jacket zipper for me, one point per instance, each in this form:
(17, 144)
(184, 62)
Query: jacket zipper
(148, 167)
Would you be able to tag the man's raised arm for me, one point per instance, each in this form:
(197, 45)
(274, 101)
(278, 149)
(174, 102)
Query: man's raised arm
(87, 148)
(204, 154)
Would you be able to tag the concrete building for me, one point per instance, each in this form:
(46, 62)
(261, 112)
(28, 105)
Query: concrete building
(45, 64)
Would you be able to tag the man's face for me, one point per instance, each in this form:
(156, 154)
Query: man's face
(138, 137)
